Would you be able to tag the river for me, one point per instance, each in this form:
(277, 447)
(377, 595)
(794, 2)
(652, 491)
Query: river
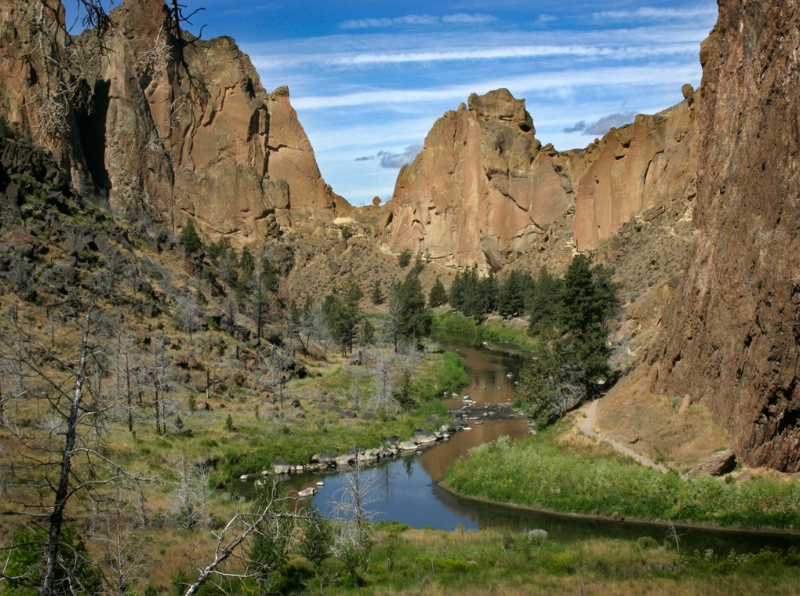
(406, 490)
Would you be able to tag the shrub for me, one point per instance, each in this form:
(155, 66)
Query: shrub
(404, 258)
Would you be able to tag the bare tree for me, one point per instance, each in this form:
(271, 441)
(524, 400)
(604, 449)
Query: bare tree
(187, 314)
(124, 561)
(383, 400)
(159, 376)
(190, 493)
(230, 310)
(63, 459)
(261, 520)
(352, 507)
(278, 373)
(392, 323)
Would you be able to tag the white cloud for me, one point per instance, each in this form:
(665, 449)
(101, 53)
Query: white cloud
(468, 19)
(656, 13)
(548, 82)
(417, 20)
(477, 54)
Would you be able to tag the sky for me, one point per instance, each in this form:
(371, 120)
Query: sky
(368, 78)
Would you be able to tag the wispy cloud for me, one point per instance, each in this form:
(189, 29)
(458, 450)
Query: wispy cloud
(539, 83)
(417, 20)
(603, 125)
(478, 54)
(655, 13)
(391, 160)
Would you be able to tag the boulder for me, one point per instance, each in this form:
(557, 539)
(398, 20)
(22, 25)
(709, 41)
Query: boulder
(280, 466)
(718, 464)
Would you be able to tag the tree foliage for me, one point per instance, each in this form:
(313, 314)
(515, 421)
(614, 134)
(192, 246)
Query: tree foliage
(25, 567)
(415, 318)
(437, 295)
(568, 317)
(190, 240)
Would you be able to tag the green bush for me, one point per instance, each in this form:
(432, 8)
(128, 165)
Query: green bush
(404, 258)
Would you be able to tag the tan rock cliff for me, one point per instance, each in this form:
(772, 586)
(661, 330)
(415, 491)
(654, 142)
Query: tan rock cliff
(732, 337)
(181, 126)
(484, 192)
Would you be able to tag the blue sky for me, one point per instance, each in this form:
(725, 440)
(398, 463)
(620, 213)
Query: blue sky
(368, 78)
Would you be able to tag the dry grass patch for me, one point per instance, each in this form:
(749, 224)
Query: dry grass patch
(656, 425)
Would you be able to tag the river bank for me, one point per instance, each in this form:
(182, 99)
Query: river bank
(548, 472)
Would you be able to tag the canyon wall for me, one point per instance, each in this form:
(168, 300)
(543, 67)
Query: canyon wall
(732, 336)
(484, 192)
(173, 124)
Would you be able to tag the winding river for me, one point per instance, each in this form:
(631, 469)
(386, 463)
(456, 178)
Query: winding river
(406, 490)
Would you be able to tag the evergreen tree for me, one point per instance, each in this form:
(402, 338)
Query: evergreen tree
(586, 298)
(415, 319)
(437, 295)
(489, 290)
(475, 302)
(343, 314)
(542, 303)
(456, 294)
(377, 293)
(513, 294)
(404, 258)
(189, 239)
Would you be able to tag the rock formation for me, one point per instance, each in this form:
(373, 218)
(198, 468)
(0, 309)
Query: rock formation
(483, 191)
(650, 163)
(174, 124)
(732, 336)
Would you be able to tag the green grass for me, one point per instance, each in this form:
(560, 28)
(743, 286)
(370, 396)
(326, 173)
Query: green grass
(494, 330)
(537, 472)
(404, 560)
(297, 439)
(447, 374)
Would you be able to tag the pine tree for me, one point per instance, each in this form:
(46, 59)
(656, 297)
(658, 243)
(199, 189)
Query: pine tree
(415, 319)
(542, 303)
(377, 293)
(189, 239)
(437, 295)
(456, 294)
(513, 294)
(587, 297)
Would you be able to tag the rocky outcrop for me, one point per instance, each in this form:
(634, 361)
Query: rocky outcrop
(483, 191)
(481, 188)
(175, 125)
(650, 163)
(732, 336)
(36, 71)
(718, 464)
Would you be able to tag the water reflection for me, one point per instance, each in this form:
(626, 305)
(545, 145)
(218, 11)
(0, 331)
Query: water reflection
(407, 491)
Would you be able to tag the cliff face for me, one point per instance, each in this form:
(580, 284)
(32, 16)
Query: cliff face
(480, 189)
(733, 334)
(175, 124)
(650, 163)
(483, 191)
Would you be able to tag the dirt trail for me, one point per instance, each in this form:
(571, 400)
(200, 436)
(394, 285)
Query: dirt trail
(587, 428)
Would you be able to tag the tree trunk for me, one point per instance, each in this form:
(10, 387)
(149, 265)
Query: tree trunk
(62, 489)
